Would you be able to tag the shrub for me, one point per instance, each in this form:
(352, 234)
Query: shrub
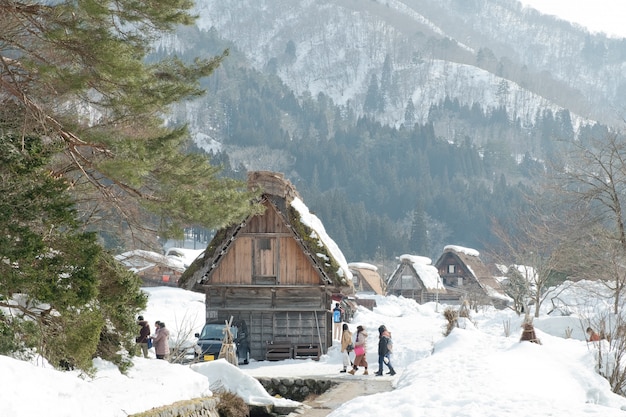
(231, 405)
(452, 317)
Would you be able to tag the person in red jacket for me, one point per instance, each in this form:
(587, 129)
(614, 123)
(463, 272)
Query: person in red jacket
(593, 336)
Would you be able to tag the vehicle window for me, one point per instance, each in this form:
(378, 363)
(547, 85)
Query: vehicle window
(216, 332)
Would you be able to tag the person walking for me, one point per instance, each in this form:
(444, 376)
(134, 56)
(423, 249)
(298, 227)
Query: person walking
(346, 340)
(337, 320)
(144, 336)
(360, 347)
(385, 347)
(161, 341)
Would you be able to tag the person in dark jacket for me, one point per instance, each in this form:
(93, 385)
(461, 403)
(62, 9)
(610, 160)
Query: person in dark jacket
(385, 347)
(144, 335)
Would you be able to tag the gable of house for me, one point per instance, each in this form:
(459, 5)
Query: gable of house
(415, 277)
(367, 278)
(265, 252)
(275, 248)
(463, 270)
(453, 271)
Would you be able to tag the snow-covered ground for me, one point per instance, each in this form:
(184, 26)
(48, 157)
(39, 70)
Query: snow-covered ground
(476, 371)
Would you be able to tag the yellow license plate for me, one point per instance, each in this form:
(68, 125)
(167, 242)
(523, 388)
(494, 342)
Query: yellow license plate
(209, 357)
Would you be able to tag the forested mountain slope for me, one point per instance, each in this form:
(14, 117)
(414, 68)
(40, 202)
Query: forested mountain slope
(423, 50)
(406, 125)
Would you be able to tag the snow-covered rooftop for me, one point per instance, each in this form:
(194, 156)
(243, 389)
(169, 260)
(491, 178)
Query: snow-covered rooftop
(461, 249)
(175, 258)
(362, 265)
(319, 232)
(416, 259)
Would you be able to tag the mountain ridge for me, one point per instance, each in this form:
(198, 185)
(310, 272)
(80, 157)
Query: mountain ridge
(387, 137)
(341, 44)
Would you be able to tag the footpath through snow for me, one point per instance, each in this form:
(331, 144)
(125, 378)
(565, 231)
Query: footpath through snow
(344, 391)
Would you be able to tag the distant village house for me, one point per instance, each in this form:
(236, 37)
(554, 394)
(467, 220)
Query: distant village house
(156, 269)
(365, 278)
(467, 278)
(415, 277)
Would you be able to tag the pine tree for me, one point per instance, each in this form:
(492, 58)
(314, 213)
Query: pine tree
(409, 114)
(418, 240)
(78, 74)
(59, 291)
(374, 101)
(84, 146)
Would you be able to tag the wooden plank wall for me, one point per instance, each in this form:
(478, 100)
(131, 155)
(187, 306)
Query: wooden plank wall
(269, 222)
(267, 297)
(294, 267)
(298, 327)
(297, 314)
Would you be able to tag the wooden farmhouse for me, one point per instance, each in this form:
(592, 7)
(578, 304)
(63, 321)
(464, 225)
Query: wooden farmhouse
(365, 278)
(415, 277)
(467, 278)
(277, 271)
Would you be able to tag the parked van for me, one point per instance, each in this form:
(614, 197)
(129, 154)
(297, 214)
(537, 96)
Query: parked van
(210, 339)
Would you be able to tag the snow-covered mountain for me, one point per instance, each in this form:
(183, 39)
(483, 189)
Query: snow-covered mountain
(493, 52)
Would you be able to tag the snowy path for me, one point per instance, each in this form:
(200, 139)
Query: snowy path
(346, 390)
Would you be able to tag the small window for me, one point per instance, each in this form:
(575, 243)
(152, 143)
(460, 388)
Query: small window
(265, 244)
(451, 269)
(264, 280)
(407, 282)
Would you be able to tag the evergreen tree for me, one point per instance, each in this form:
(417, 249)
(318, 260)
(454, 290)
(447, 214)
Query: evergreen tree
(418, 241)
(409, 114)
(59, 292)
(374, 101)
(85, 147)
(77, 73)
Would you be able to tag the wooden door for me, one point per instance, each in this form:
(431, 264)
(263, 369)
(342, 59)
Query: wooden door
(265, 261)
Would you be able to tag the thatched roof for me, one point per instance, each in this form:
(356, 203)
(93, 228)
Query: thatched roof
(422, 270)
(139, 260)
(369, 273)
(471, 259)
(307, 229)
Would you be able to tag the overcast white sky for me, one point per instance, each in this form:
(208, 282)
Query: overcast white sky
(606, 16)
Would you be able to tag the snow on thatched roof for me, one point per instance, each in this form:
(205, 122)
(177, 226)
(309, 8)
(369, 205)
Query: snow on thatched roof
(426, 272)
(362, 265)
(462, 249)
(319, 232)
(482, 275)
(307, 228)
(139, 260)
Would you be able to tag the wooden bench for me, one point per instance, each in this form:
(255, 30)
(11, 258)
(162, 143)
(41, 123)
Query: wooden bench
(307, 351)
(278, 350)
